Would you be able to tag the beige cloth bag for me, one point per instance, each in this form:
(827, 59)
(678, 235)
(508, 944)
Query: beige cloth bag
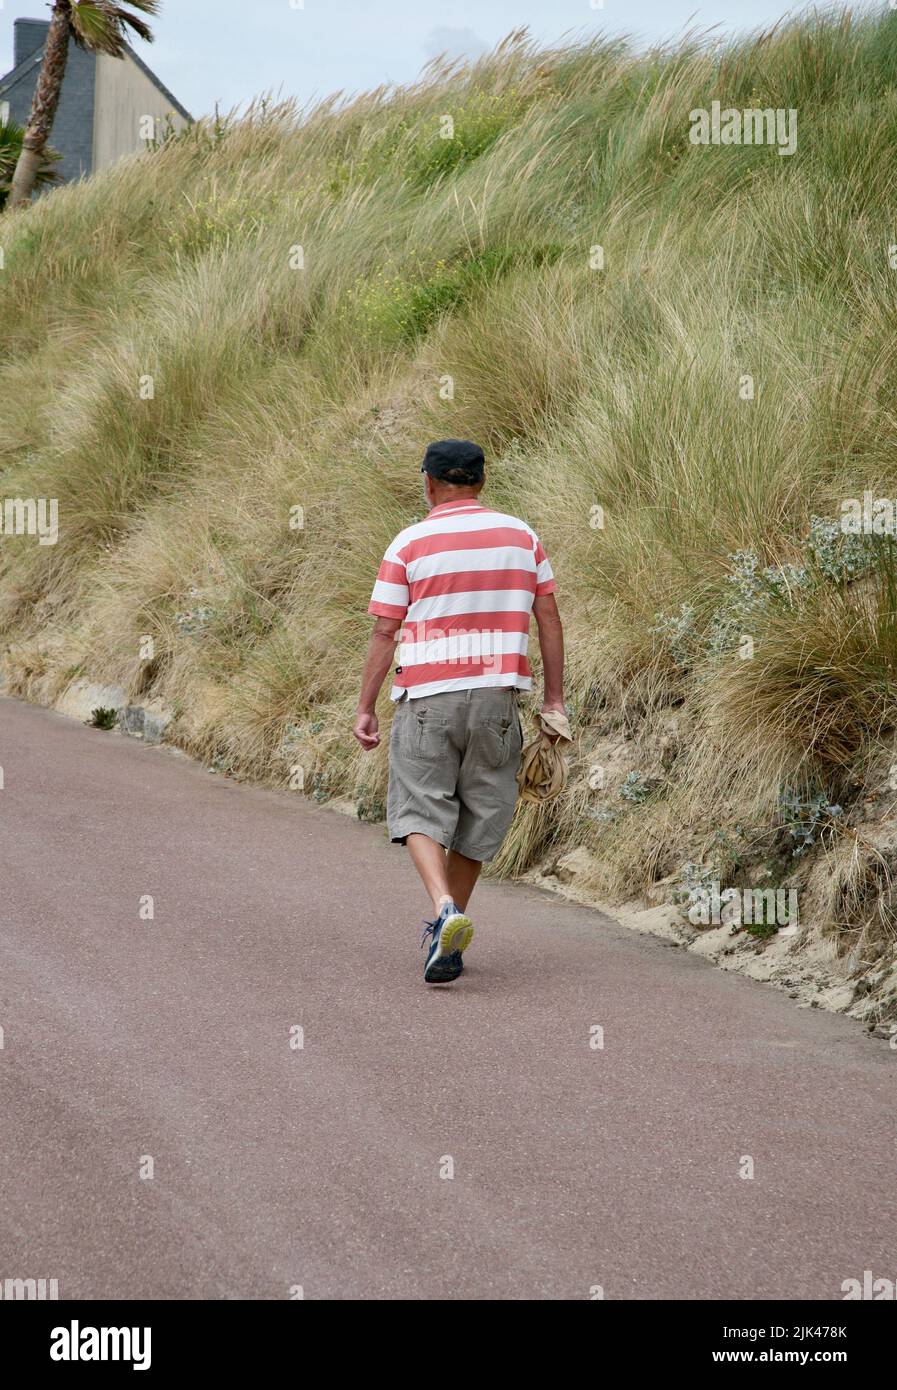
(543, 767)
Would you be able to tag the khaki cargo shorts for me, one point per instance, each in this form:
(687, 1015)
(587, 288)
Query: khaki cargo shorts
(453, 762)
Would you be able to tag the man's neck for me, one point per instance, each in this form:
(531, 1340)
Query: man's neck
(456, 498)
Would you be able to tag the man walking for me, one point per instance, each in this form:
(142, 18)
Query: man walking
(461, 584)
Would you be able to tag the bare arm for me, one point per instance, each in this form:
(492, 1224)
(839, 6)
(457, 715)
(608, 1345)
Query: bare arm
(551, 645)
(380, 654)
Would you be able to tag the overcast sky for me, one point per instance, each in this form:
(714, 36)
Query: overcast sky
(231, 50)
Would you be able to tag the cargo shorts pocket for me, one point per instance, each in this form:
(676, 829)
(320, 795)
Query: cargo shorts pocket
(500, 740)
(421, 734)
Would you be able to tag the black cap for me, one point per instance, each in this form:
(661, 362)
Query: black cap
(454, 461)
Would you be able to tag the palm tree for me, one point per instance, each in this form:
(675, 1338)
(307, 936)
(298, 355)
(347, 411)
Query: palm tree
(98, 25)
(11, 136)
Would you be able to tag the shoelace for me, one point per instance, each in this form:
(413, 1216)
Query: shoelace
(429, 930)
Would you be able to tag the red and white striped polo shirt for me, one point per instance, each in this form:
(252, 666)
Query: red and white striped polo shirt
(463, 582)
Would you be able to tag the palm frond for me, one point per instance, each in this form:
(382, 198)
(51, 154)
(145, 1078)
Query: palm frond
(102, 26)
(11, 136)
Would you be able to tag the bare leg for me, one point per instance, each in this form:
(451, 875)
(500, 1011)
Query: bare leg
(462, 874)
(429, 860)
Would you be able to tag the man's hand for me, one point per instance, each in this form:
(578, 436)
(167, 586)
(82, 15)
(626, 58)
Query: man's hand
(557, 707)
(367, 730)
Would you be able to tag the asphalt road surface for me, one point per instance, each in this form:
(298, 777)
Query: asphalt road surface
(275, 1167)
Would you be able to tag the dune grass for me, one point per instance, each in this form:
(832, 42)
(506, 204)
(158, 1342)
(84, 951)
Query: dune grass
(276, 313)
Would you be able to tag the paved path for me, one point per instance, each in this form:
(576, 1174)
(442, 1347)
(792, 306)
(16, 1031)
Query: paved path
(320, 1167)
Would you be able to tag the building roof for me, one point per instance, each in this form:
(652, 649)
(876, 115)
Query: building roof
(16, 74)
